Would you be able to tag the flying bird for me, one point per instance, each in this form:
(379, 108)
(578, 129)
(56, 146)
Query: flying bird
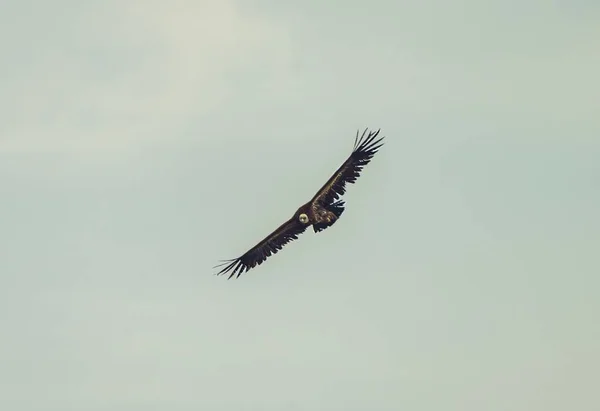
(322, 211)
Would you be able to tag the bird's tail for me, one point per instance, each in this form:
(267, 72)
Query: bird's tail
(336, 208)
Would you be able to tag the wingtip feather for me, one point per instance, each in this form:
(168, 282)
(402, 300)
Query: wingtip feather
(365, 144)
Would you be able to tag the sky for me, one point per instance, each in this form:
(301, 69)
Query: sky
(143, 141)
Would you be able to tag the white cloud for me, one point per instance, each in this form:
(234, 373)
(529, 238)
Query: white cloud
(125, 72)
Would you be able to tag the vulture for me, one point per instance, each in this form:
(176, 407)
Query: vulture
(322, 211)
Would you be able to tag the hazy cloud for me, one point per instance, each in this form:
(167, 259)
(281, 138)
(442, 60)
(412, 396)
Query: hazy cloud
(110, 74)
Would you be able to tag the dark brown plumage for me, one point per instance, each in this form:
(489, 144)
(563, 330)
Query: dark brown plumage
(322, 211)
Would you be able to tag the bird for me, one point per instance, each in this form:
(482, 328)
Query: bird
(322, 211)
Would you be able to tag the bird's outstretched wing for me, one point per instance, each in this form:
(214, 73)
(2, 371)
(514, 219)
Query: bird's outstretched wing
(363, 152)
(271, 244)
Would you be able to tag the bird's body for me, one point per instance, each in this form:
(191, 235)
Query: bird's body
(318, 215)
(322, 211)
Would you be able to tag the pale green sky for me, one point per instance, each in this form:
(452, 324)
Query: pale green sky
(143, 141)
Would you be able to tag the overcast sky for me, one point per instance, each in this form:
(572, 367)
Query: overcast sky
(143, 141)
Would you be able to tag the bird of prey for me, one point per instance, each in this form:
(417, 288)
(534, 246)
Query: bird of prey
(322, 211)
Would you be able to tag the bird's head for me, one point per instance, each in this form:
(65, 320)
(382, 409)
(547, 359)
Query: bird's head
(303, 218)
